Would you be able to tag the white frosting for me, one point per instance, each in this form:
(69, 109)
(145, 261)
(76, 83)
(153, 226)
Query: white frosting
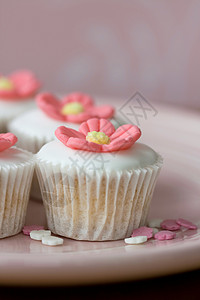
(10, 109)
(14, 156)
(38, 125)
(35, 123)
(138, 156)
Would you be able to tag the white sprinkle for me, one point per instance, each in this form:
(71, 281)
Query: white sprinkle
(136, 240)
(39, 234)
(155, 223)
(52, 240)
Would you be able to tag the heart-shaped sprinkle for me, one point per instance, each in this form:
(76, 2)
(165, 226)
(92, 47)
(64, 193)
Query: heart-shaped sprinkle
(186, 223)
(170, 224)
(39, 234)
(52, 240)
(164, 235)
(136, 240)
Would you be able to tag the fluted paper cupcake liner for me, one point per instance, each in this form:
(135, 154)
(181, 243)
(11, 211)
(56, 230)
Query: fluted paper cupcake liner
(15, 183)
(97, 205)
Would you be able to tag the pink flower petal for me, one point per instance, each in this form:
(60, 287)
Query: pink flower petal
(126, 131)
(105, 112)
(25, 83)
(123, 138)
(106, 126)
(9, 95)
(84, 99)
(84, 128)
(117, 145)
(90, 125)
(79, 118)
(95, 124)
(186, 224)
(4, 144)
(64, 134)
(82, 144)
(170, 224)
(50, 105)
(143, 231)
(7, 140)
(164, 235)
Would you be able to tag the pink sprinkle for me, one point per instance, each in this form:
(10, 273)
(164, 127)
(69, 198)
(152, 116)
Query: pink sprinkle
(164, 235)
(27, 229)
(170, 225)
(7, 140)
(186, 223)
(143, 231)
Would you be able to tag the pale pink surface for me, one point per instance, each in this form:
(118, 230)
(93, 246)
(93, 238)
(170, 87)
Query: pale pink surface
(143, 231)
(186, 223)
(28, 228)
(170, 224)
(27, 262)
(52, 107)
(25, 84)
(165, 235)
(123, 138)
(7, 140)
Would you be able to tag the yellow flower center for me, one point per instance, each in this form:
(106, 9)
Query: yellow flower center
(73, 108)
(97, 137)
(6, 84)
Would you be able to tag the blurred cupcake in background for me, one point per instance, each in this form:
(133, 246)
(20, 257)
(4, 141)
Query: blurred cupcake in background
(17, 92)
(16, 172)
(36, 127)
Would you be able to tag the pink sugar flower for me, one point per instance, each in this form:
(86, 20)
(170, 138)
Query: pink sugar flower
(99, 135)
(18, 86)
(74, 108)
(7, 140)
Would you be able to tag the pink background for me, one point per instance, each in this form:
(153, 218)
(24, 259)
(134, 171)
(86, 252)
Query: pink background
(106, 47)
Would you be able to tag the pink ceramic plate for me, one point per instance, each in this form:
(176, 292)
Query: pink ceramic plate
(176, 135)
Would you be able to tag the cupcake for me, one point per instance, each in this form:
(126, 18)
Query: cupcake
(16, 95)
(36, 128)
(97, 183)
(16, 171)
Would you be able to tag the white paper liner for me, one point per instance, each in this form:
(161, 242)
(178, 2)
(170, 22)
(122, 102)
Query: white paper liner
(15, 183)
(98, 205)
